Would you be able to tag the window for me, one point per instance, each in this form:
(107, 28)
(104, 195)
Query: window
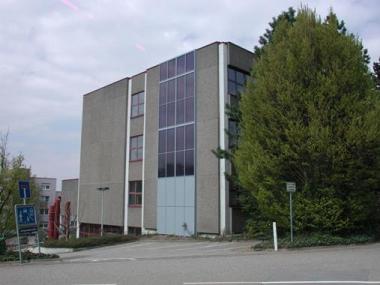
(45, 186)
(176, 151)
(233, 131)
(176, 117)
(136, 148)
(137, 106)
(236, 81)
(135, 193)
(177, 66)
(44, 198)
(44, 211)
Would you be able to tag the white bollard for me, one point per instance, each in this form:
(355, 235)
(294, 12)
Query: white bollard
(275, 236)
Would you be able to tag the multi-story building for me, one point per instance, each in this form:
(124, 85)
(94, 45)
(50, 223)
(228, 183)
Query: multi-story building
(47, 190)
(69, 194)
(148, 140)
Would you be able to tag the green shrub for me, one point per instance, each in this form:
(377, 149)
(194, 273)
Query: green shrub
(315, 240)
(3, 246)
(26, 256)
(89, 241)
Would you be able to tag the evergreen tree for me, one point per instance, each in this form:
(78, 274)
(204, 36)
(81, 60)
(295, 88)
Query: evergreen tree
(311, 116)
(376, 74)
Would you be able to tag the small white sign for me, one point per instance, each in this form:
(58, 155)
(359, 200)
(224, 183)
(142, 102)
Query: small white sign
(291, 186)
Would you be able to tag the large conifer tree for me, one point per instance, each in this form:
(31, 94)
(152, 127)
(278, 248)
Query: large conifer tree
(311, 116)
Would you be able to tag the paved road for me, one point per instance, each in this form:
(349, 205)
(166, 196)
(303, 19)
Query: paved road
(198, 263)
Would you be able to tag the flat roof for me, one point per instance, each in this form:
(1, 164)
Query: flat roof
(142, 72)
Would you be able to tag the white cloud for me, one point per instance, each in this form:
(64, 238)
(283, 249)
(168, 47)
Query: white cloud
(52, 52)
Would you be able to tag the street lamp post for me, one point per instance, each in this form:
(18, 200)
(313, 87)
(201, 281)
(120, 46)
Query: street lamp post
(102, 189)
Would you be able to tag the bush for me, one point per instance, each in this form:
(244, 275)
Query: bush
(315, 240)
(89, 241)
(3, 246)
(26, 256)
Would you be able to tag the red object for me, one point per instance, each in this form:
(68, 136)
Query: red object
(51, 222)
(54, 223)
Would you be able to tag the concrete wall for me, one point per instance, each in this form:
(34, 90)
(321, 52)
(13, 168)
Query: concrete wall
(151, 148)
(69, 193)
(240, 58)
(207, 139)
(103, 154)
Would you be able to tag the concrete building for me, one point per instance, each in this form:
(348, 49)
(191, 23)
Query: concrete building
(47, 190)
(149, 140)
(69, 193)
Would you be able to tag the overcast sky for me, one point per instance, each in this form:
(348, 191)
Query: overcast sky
(54, 51)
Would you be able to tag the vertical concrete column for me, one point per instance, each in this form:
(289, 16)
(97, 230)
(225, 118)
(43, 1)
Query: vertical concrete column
(78, 223)
(126, 186)
(222, 137)
(143, 232)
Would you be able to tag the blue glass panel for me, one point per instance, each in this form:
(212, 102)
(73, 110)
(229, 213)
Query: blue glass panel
(170, 164)
(180, 163)
(180, 113)
(190, 85)
(162, 116)
(181, 65)
(164, 71)
(170, 139)
(180, 138)
(163, 93)
(171, 91)
(190, 61)
(170, 114)
(171, 68)
(189, 162)
(162, 141)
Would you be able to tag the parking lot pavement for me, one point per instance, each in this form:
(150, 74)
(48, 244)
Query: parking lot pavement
(201, 263)
(165, 249)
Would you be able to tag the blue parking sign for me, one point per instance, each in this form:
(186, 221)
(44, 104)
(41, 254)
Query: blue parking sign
(26, 215)
(24, 189)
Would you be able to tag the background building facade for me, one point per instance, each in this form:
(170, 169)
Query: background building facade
(47, 190)
(149, 139)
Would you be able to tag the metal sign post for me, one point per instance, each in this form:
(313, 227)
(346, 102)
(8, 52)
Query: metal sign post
(291, 188)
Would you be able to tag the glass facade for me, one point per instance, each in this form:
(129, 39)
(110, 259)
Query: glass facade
(236, 81)
(176, 117)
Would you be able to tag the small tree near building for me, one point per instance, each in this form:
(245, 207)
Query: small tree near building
(12, 169)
